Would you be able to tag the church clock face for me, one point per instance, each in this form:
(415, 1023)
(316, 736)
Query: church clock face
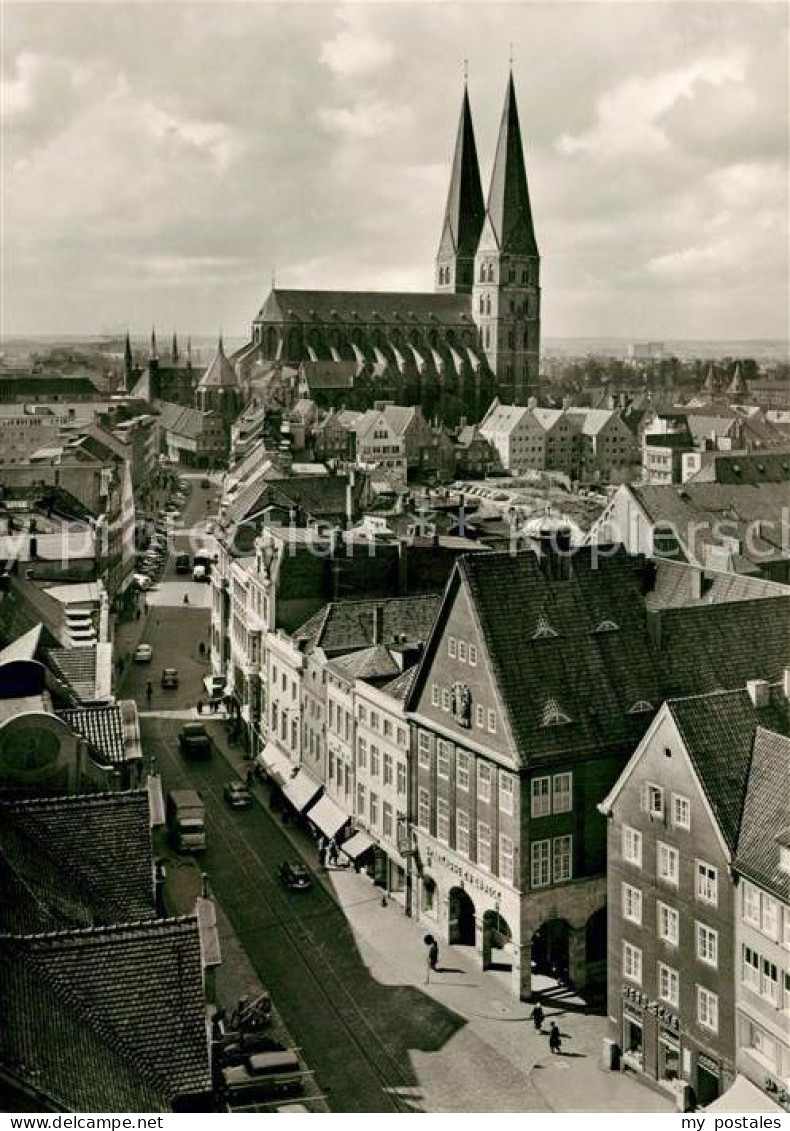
(27, 749)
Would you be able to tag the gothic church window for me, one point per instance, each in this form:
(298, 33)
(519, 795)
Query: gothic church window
(488, 304)
(482, 305)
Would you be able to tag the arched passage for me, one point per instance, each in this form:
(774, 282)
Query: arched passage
(461, 919)
(497, 937)
(551, 949)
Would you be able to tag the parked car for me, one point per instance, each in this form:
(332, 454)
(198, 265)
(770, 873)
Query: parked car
(169, 679)
(234, 1048)
(199, 573)
(205, 483)
(193, 741)
(183, 563)
(143, 654)
(237, 795)
(263, 1074)
(295, 876)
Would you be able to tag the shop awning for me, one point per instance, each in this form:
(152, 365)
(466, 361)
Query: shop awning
(301, 790)
(745, 1097)
(276, 764)
(327, 815)
(357, 845)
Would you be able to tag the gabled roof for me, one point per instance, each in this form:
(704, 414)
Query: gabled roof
(399, 417)
(366, 307)
(464, 212)
(345, 626)
(75, 861)
(400, 687)
(108, 1019)
(766, 814)
(508, 208)
(112, 730)
(220, 373)
(374, 663)
(718, 732)
(24, 647)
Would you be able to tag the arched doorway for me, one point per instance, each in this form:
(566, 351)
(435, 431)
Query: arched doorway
(461, 923)
(497, 937)
(551, 949)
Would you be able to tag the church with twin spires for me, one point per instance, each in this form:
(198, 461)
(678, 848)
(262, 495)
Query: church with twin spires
(451, 351)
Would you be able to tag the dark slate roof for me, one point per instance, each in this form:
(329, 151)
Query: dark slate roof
(366, 307)
(75, 861)
(374, 663)
(317, 496)
(400, 687)
(594, 677)
(107, 729)
(345, 626)
(677, 584)
(718, 732)
(766, 814)
(220, 373)
(111, 1019)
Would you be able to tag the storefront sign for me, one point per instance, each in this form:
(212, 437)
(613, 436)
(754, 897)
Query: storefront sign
(468, 877)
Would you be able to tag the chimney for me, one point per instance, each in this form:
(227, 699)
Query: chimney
(786, 683)
(378, 624)
(759, 691)
(654, 627)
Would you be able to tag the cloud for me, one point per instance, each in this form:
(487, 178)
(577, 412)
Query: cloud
(355, 50)
(363, 120)
(629, 119)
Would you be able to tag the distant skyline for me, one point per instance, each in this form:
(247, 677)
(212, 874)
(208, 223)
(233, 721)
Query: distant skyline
(161, 161)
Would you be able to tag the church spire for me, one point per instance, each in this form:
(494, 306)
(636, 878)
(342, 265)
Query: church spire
(174, 354)
(464, 211)
(154, 354)
(508, 207)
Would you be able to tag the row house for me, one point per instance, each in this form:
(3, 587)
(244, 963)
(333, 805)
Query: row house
(675, 820)
(543, 672)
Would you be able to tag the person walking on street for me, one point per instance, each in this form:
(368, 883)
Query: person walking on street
(186, 598)
(433, 955)
(537, 1016)
(555, 1043)
(200, 706)
(149, 692)
(333, 853)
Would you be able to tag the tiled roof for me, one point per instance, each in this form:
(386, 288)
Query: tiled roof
(766, 814)
(112, 730)
(373, 663)
(345, 626)
(677, 583)
(111, 1019)
(220, 373)
(400, 687)
(718, 732)
(181, 420)
(75, 861)
(339, 307)
(77, 668)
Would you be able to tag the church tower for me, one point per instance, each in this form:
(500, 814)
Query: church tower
(463, 215)
(506, 295)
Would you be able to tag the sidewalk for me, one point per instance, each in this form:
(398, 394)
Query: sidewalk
(496, 1061)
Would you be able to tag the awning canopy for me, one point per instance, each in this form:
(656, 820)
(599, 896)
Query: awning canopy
(745, 1097)
(276, 764)
(301, 790)
(327, 815)
(357, 845)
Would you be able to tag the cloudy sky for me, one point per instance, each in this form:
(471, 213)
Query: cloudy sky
(161, 160)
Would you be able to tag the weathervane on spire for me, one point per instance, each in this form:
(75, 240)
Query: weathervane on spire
(466, 70)
(511, 54)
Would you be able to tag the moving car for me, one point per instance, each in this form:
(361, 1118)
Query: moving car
(143, 654)
(237, 795)
(183, 563)
(193, 741)
(199, 573)
(294, 875)
(263, 1074)
(169, 678)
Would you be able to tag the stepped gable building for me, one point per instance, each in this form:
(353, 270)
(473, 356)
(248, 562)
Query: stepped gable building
(450, 351)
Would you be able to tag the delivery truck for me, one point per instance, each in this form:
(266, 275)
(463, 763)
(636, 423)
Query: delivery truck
(186, 820)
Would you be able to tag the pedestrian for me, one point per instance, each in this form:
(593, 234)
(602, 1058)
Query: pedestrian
(430, 942)
(250, 778)
(186, 598)
(537, 1016)
(555, 1043)
(202, 649)
(433, 955)
(333, 853)
(149, 692)
(200, 706)
(322, 855)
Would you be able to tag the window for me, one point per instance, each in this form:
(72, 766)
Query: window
(750, 969)
(668, 924)
(563, 864)
(632, 963)
(506, 859)
(462, 832)
(707, 945)
(472, 654)
(480, 715)
(769, 917)
(362, 752)
(424, 751)
(492, 722)
(483, 782)
(483, 844)
(462, 651)
(435, 694)
(446, 699)
(401, 778)
(401, 738)
(707, 883)
(442, 759)
(387, 726)
(388, 769)
(442, 820)
(541, 863)
(562, 796)
(681, 811)
(632, 846)
(541, 797)
(751, 904)
(632, 904)
(707, 1009)
(374, 809)
(374, 761)
(374, 720)
(668, 863)
(462, 770)
(361, 800)
(452, 648)
(668, 984)
(653, 799)
(769, 982)
(506, 791)
(424, 809)
(363, 714)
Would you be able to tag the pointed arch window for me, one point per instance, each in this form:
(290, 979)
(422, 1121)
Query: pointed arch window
(553, 715)
(482, 305)
(482, 272)
(488, 337)
(491, 272)
(488, 304)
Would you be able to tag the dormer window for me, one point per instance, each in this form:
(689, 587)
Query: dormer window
(553, 715)
(607, 626)
(543, 630)
(640, 706)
